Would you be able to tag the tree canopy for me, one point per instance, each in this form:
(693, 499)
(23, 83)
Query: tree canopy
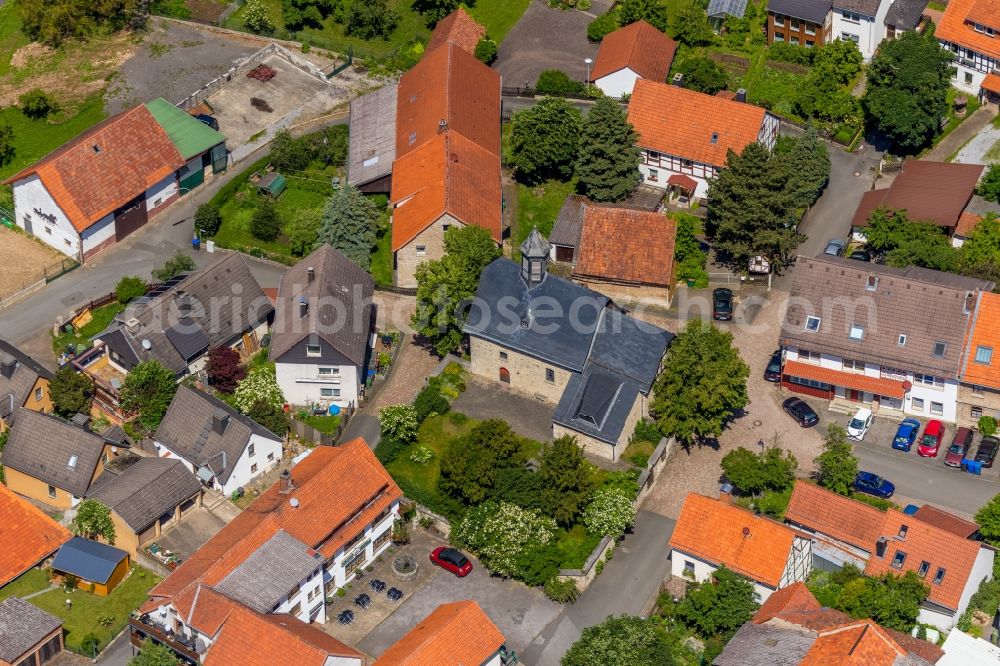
(566, 480)
(808, 165)
(988, 519)
(544, 140)
(982, 246)
(621, 641)
(53, 21)
(907, 91)
(607, 163)
(892, 601)
(148, 390)
(71, 392)
(446, 284)
(703, 74)
(751, 209)
(691, 26)
(989, 185)
(350, 224)
(224, 369)
(154, 654)
(93, 519)
(470, 463)
(175, 265)
(754, 473)
(718, 607)
(837, 466)
(702, 385)
(907, 243)
(652, 12)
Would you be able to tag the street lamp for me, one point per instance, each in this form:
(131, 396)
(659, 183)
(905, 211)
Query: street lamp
(589, 62)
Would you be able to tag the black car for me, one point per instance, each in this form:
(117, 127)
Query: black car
(860, 255)
(208, 120)
(772, 373)
(799, 410)
(722, 304)
(987, 451)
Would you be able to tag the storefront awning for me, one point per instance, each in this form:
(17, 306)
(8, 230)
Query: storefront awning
(890, 388)
(684, 182)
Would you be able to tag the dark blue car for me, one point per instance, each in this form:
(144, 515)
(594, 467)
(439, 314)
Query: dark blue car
(906, 434)
(873, 484)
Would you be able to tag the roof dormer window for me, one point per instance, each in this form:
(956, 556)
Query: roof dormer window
(715, 137)
(812, 324)
(872, 283)
(72, 461)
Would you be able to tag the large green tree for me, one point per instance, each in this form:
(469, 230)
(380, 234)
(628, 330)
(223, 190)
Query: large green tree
(350, 224)
(988, 519)
(607, 163)
(651, 11)
(154, 654)
(544, 139)
(443, 285)
(703, 74)
(753, 473)
(751, 210)
(470, 463)
(892, 601)
(989, 185)
(907, 91)
(837, 465)
(147, 391)
(717, 608)
(71, 392)
(93, 519)
(808, 165)
(435, 10)
(621, 641)
(691, 26)
(982, 246)
(908, 243)
(702, 385)
(566, 480)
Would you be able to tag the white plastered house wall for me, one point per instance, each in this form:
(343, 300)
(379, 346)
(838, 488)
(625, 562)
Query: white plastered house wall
(944, 619)
(162, 191)
(869, 29)
(266, 454)
(699, 571)
(617, 83)
(37, 212)
(305, 384)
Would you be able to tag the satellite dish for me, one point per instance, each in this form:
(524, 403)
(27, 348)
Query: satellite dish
(146, 344)
(294, 502)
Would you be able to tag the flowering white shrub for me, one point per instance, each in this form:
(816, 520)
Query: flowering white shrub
(399, 422)
(260, 384)
(609, 513)
(500, 533)
(422, 455)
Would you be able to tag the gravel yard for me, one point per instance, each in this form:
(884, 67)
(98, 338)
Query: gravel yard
(25, 261)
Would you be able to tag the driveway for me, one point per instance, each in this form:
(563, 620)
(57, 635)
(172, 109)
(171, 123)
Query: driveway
(974, 152)
(918, 479)
(547, 38)
(485, 400)
(194, 530)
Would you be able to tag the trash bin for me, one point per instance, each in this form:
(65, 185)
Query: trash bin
(210, 246)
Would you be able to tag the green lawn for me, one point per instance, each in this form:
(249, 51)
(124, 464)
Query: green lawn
(90, 612)
(499, 16)
(102, 317)
(538, 207)
(30, 581)
(953, 120)
(325, 424)
(435, 433)
(575, 546)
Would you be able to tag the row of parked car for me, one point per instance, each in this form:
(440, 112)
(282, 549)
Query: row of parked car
(930, 443)
(837, 248)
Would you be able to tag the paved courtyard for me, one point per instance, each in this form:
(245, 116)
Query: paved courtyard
(547, 38)
(194, 530)
(490, 400)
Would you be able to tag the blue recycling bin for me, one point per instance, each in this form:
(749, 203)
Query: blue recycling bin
(334, 410)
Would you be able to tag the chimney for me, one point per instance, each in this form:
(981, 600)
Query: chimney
(746, 532)
(880, 546)
(8, 364)
(132, 326)
(741, 95)
(220, 419)
(81, 421)
(970, 301)
(310, 274)
(442, 125)
(303, 306)
(678, 80)
(286, 482)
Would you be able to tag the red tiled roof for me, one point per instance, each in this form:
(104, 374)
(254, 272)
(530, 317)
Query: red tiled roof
(106, 166)
(858, 643)
(687, 182)
(460, 28)
(27, 534)
(638, 46)
(454, 634)
(948, 522)
(840, 517)
(953, 27)
(983, 333)
(795, 598)
(252, 639)
(967, 221)
(935, 192)
(448, 174)
(991, 83)
(331, 486)
(681, 122)
(628, 245)
(927, 543)
(448, 84)
(878, 385)
(721, 533)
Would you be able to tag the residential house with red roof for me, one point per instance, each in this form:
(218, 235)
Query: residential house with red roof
(454, 634)
(979, 373)
(685, 135)
(29, 536)
(940, 193)
(791, 627)
(712, 533)
(627, 254)
(847, 531)
(100, 187)
(864, 333)
(459, 28)
(970, 30)
(636, 51)
(294, 546)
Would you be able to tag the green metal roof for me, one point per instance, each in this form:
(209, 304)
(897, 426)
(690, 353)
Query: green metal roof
(189, 135)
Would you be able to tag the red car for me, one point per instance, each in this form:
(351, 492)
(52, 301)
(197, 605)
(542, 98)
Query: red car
(930, 442)
(451, 560)
(959, 448)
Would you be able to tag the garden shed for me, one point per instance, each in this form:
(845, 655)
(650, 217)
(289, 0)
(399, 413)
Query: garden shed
(94, 563)
(718, 10)
(272, 184)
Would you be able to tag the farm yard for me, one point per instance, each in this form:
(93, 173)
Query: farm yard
(25, 262)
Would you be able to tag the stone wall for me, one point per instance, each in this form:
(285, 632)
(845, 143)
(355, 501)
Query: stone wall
(432, 240)
(601, 449)
(987, 399)
(658, 296)
(527, 374)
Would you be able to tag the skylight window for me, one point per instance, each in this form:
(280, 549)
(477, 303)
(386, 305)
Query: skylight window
(984, 355)
(924, 568)
(939, 576)
(72, 460)
(939, 349)
(857, 332)
(898, 559)
(812, 324)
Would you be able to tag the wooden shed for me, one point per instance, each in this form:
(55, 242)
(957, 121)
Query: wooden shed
(94, 563)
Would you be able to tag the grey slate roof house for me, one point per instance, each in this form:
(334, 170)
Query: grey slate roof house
(23, 383)
(566, 344)
(222, 305)
(372, 147)
(263, 579)
(28, 635)
(323, 327)
(148, 495)
(45, 450)
(219, 445)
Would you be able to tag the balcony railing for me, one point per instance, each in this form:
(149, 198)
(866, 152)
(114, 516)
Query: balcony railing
(145, 627)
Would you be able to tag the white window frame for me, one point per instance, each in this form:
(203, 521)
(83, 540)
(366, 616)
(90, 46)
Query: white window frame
(326, 371)
(937, 408)
(856, 332)
(809, 323)
(313, 351)
(327, 392)
(917, 404)
(927, 380)
(421, 250)
(984, 354)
